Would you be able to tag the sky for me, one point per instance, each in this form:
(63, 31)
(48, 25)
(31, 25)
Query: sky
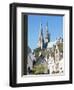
(55, 28)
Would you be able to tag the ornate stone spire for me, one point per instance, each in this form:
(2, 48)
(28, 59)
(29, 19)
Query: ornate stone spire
(41, 39)
(47, 36)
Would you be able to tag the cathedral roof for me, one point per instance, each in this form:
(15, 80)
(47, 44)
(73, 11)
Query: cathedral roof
(50, 44)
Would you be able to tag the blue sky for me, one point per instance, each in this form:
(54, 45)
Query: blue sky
(55, 28)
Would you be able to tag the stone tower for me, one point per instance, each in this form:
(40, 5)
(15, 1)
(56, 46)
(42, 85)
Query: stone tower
(47, 36)
(41, 39)
(57, 58)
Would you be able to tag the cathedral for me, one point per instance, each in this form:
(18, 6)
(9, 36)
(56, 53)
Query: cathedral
(42, 42)
(48, 55)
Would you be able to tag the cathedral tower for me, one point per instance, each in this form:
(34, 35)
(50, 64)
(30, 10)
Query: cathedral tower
(41, 39)
(47, 36)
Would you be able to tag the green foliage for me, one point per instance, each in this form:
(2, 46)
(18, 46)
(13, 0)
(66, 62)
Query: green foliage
(40, 69)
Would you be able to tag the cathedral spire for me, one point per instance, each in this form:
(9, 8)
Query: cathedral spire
(47, 36)
(47, 26)
(41, 39)
(41, 30)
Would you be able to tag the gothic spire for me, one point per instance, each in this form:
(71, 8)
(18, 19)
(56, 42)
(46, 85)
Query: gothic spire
(41, 39)
(41, 30)
(47, 36)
